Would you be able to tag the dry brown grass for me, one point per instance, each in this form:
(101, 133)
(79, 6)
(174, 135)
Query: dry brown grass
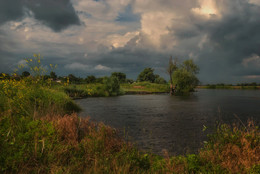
(174, 165)
(73, 130)
(238, 155)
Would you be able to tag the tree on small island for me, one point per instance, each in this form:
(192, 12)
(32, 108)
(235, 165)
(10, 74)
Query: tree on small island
(183, 77)
(170, 70)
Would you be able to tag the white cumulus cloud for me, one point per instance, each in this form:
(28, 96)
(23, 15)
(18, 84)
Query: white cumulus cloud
(102, 68)
(253, 60)
(77, 66)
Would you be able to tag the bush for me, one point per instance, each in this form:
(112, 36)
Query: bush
(111, 86)
(160, 80)
(75, 92)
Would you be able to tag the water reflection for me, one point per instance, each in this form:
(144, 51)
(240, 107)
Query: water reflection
(157, 122)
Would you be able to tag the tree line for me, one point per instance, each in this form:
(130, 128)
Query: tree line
(182, 75)
(146, 75)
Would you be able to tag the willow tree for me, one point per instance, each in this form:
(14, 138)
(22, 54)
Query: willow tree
(172, 67)
(185, 78)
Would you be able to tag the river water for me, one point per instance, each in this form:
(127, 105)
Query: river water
(174, 123)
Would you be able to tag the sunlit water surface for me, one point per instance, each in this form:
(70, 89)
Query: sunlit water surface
(157, 122)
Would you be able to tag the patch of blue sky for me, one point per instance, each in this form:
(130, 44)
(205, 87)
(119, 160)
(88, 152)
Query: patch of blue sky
(128, 15)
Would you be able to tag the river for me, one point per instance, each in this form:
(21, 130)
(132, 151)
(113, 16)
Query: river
(174, 123)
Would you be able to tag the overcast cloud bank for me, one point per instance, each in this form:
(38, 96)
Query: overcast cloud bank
(87, 37)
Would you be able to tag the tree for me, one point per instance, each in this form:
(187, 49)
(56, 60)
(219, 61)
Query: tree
(53, 75)
(130, 81)
(190, 66)
(25, 74)
(170, 70)
(91, 79)
(73, 79)
(184, 77)
(146, 75)
(100, 80)
(46, 77)
(121, 76)
(159, 80)
(111, 85)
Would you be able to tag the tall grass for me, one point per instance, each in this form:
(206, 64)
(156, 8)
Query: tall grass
(234, 149)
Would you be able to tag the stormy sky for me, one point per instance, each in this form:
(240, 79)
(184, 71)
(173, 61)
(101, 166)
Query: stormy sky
(97, 37)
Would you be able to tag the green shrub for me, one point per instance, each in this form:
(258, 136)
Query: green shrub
(111, 86)
(75, 92)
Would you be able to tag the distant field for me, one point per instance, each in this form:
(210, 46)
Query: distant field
(145, 87)
(228, 87)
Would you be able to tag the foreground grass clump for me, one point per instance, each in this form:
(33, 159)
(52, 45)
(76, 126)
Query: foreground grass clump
(237, 150)
(27, 97)
(145, 87)
(58, 144)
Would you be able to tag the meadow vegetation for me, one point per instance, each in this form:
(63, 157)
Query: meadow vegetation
(40, 132)
(145, 87)
(230, 86)
(109, 87)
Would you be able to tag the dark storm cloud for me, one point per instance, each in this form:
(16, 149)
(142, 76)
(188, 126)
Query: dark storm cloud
(226, 46)
(132, 61)
(237, 32)
(10, 10)
(57, 15)
(230, 39)
(237, 35)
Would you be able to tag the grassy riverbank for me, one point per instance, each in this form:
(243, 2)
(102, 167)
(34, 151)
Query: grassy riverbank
(100, 90)
(145, 88)
(40, 133)
(88, 90)
(227, 87)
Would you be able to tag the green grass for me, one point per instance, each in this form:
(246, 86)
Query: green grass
(227, 87)
(87, 90)
(145, 87)
(99, 90)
